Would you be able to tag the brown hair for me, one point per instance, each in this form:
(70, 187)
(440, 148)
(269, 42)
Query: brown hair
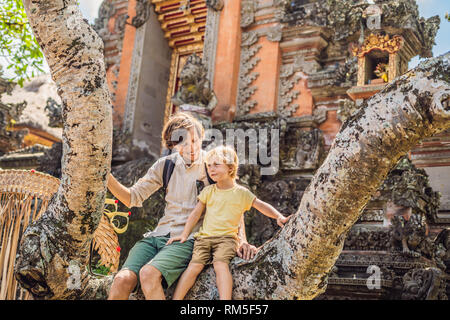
(178, 121)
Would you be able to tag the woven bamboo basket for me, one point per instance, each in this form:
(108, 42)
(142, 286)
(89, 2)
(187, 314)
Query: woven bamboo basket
(24, 196)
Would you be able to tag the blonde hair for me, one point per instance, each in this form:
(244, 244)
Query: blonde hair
(226, 155)
(178, 121)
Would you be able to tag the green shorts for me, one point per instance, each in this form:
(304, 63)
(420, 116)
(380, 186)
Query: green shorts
(170, 260)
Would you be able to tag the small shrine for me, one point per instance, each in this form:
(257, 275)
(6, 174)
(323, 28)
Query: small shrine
(382, 55)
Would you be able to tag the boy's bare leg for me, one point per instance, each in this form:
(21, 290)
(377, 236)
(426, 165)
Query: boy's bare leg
(187, 280)
(224, 280)
(151, 285)
(123, 283)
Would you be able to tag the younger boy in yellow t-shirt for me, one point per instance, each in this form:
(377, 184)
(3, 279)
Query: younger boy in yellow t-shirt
(217, 239)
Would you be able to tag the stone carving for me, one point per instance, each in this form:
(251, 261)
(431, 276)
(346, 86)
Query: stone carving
(142, 13)
(247, 12)
(121, 146)
(405, 185)
(409, 235)
(400, 13)
(289, 77)
(290, 74)
(372, 215)
(345, 18)
(320, 114)
(216, 5)
(112, 39)
(442, 243)
(275, 33)
(307, 152)
(9, 114)
(430, 29)
(211, 37)
(195, 95)
(362, 238)
(424, 284)
(346, 109)
(246, 76)
(54, 113)
(347, 73)
(105, 12)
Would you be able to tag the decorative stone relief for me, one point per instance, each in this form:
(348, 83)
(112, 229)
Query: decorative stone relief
(216, 5)
(54, 113)
(142, 13)
(290, 74)
(195, 94)
(136, 62)
(211, 37)
(249, 48)
(424, 284)
(346, 109)
(248, 8)
(320, 114)
(306, 153)
(347, 73)
(275, 33)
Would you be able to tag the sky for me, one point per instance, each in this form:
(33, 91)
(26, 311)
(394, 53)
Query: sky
(427, 8)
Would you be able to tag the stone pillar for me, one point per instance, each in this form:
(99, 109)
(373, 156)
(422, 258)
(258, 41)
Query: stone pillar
(226, 74)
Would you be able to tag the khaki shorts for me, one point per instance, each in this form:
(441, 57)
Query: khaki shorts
(211, 249)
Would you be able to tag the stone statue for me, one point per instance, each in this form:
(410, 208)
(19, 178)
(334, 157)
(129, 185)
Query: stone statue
(195, 95)
(54, 113)
(308, 151)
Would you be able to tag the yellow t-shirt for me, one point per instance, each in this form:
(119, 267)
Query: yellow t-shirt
(224, 209)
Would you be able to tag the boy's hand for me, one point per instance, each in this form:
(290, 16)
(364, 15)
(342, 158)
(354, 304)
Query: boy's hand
(181, 238)
(282, 220)
(246, 251)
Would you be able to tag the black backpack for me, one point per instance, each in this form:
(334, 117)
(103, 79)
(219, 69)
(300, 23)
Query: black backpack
(169, 165)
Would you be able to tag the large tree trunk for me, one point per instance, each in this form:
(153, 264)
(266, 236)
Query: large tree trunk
(295, 263)
(54, 249)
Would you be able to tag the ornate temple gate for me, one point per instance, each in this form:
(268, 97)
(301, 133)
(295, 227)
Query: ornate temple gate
(184, 24)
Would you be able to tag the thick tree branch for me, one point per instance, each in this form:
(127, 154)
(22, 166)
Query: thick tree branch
(295, 263)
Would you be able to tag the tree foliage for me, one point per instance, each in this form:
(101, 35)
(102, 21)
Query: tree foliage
(18, 46)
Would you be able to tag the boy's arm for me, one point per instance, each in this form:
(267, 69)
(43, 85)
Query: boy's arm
(245, 250)
(268, 210)
(190, 223)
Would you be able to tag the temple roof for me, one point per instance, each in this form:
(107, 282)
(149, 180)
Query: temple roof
(35, 92)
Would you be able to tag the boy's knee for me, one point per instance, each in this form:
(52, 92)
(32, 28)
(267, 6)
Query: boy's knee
(196, 267)
(220, 265)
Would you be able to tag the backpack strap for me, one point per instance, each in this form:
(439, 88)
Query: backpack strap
(210, 180)
(169, 165)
